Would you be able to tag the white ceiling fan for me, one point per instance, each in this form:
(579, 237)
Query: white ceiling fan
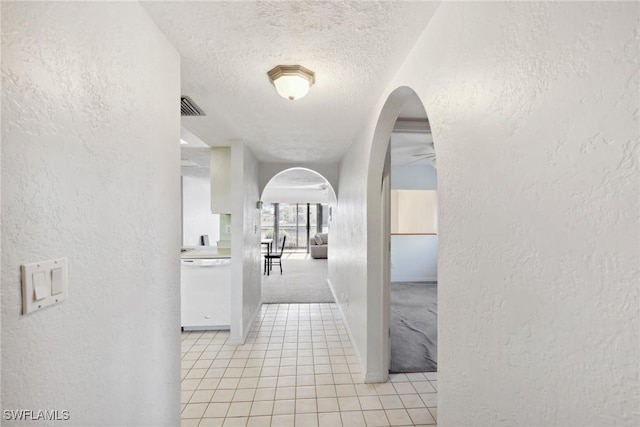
(294, 185)
(320, 186)
(429, 155)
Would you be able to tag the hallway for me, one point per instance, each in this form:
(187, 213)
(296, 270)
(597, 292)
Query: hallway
(298, 368)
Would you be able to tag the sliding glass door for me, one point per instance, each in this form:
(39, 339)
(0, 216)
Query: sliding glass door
(297, 221)
(287, 220)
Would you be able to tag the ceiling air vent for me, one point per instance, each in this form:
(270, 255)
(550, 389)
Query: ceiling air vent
(189, 108)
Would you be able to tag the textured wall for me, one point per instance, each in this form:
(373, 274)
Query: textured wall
(252, 256)
(245, 242)
(347, 266)
(534, 112)
(90, 131)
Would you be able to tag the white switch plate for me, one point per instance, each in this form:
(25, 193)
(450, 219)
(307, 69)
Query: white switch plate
(43, 284)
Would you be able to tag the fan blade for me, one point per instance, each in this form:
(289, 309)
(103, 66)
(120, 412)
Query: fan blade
(412, 162)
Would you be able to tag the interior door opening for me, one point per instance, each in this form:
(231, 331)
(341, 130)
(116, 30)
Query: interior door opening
(413, 249)
(295, 225)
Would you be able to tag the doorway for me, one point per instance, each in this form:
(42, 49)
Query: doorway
(379, 234)
(412, 217)
(295, 223)
(298, 222)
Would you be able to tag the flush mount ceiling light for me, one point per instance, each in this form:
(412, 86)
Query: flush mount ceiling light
(292, 81)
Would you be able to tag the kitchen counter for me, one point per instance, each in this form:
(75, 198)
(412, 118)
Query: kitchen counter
(205, 252)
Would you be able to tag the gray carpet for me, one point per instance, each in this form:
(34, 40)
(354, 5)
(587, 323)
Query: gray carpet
(302, 281)
(414, 312)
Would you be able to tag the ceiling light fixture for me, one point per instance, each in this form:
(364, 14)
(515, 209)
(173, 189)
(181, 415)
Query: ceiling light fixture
(292, 81)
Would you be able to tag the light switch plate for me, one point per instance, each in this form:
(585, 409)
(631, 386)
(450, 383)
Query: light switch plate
(43, 284)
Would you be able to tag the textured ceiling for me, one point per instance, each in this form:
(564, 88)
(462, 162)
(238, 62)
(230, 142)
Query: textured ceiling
(228, 47)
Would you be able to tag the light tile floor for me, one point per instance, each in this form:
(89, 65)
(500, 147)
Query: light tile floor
(297, 369)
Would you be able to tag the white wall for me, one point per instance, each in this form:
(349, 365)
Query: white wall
(246, 273)
(533, 108)
(419, 177)
(91, 172)
(413, 211)
(197, 218)
(347, 269)
(414, 254)
(414, 258)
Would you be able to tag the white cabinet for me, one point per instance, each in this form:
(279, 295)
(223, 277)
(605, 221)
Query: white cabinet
(221, 180)
(205, 290)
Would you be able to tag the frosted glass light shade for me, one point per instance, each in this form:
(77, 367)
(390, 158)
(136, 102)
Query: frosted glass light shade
(291, 81)
(292, 87)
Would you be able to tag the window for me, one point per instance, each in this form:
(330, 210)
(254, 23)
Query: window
(298, 222)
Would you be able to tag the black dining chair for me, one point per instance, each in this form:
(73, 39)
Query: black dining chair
(271, 259)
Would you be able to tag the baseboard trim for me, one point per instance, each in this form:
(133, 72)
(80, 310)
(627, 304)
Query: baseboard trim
(206, 328)
(235, 341)
(347, 328)
(432, 279)
(245, 335)
(376, 377)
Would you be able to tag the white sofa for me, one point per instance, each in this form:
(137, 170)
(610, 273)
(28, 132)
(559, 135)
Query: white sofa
(318, 245)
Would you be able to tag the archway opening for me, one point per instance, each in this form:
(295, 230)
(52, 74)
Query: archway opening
(298, 205)
(413, 243)
(402, 159)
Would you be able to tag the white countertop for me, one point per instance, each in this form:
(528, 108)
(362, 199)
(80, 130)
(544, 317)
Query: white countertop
(205, 252)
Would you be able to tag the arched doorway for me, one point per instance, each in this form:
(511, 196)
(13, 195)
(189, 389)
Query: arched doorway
(414, 242)
(298, 205)
(309, 192)
(379, 185)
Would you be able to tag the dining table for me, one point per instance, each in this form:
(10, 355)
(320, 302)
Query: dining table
(268, 243)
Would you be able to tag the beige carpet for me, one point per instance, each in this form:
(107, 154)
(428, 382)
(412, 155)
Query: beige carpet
(303, 280)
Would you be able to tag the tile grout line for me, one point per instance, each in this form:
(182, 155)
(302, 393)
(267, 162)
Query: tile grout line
(325, 340)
